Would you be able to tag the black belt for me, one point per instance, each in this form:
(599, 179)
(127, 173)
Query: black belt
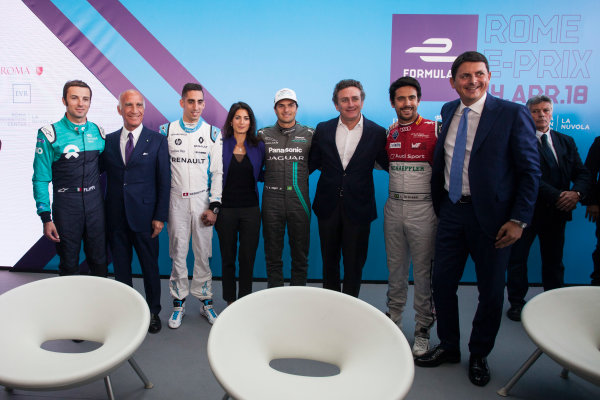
(464, 199)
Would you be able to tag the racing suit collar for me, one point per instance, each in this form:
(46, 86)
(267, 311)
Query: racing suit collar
(286, 131)
(74, 127)
(190, 130)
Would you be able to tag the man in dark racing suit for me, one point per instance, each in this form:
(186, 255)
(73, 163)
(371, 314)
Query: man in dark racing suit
(66, 154)
(285, 195)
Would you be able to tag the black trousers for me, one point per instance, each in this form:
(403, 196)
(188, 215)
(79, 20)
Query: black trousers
(234, 223)
(551, 233)
(341, 236)
(76, 220)
(460, 235)
(122, 240)
(596, 258)
(277, 212)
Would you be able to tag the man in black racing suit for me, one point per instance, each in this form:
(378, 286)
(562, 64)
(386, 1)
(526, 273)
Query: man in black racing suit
(285, 195)
(67, 154)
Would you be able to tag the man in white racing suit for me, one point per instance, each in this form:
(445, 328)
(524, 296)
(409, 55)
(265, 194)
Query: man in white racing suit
(409, 219)
(195, 151)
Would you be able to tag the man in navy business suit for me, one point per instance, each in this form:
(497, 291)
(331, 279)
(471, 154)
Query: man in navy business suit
(345, 150)
(561, 166)
(484, 185)
(136, 161)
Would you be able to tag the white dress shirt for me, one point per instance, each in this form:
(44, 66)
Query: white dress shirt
(539, 135)
(346, 140)
(125, 137)
(472, 123)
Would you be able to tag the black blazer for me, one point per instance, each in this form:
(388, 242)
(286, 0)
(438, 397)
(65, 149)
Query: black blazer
(139, 191)
(354, 186)
(571, 170)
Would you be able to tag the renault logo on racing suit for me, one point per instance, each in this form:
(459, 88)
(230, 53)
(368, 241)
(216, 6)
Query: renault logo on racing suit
(71, 151)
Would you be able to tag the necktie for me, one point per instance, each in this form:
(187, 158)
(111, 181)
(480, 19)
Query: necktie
(129, 148)
(547, 152)
(458, 158)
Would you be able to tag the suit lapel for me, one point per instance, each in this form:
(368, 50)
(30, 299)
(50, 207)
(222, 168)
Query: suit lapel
(332, 142)
(115, 146)
(486, 122)
(446, 120)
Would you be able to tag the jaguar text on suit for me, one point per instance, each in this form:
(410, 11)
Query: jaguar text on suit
(136, 161)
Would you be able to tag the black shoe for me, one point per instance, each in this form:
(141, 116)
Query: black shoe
(438, 356)
(514, 312)
(479, 372)
(155, 324)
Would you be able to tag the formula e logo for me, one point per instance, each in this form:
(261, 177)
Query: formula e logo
(71, 151)
(177, 142)
(200, 140)
(446, 46)
(424, 47)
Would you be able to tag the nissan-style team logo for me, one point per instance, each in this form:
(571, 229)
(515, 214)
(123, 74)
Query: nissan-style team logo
(424, 47)
(71, 151)
(177, 142)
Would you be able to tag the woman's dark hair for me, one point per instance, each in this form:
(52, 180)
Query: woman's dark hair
(251, 137)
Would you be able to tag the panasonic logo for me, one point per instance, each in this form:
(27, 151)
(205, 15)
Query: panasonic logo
(287, 150)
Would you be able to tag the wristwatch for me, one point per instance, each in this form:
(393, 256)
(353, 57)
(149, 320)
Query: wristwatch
(523, 225)
(216, 210)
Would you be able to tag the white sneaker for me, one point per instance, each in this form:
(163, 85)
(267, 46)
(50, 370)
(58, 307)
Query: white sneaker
(420, 346)
(208, 311)
(177, 315)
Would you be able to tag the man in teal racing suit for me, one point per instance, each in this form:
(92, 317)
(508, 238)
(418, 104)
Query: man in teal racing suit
(66, 154)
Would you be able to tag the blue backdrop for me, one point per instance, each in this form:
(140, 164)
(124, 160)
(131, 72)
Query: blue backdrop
(241, 50)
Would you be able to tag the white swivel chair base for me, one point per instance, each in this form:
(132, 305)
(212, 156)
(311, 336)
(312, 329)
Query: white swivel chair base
(561, 323)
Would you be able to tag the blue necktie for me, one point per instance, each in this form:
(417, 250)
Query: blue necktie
(458, 158)
(129, 148)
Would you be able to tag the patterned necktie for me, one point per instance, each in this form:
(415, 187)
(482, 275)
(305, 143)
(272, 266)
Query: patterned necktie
(129, 148)
(458, 158)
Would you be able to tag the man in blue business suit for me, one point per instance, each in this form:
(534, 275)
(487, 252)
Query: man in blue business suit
(136, 161)
(345, 150)
(484, 185)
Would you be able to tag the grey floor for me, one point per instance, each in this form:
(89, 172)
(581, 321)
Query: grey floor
(176, 362)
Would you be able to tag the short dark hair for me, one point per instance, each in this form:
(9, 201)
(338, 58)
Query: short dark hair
(537, 100)
(76, 83)
(468, 56)
(346, 83)
(228, 129)
(404, 81)
(188, 87)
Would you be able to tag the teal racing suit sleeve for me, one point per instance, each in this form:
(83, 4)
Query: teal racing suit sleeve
(42, 175)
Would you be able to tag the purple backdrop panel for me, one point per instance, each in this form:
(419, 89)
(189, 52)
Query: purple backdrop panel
(424, 47)
(156, 54)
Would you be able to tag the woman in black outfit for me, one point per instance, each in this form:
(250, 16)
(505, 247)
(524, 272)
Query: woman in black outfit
(243, 159)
